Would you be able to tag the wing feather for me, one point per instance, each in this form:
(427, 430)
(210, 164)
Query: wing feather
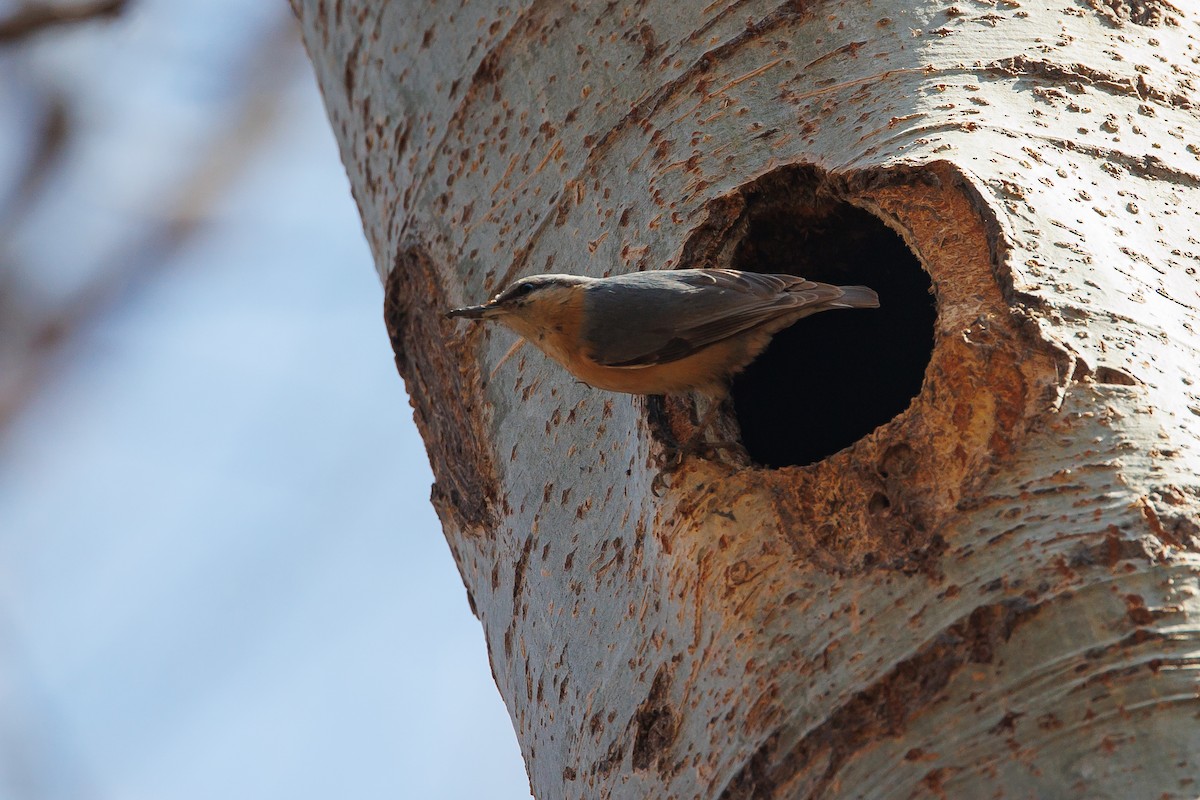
(650, 318)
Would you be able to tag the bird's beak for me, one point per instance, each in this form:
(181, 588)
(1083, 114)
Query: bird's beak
(485, 311)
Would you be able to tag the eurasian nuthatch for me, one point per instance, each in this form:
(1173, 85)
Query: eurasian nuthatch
(662, 331)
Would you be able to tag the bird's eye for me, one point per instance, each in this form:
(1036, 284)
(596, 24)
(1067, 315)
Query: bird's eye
(522, 289)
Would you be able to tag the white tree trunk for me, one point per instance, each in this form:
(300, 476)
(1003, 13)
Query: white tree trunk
(994, 593)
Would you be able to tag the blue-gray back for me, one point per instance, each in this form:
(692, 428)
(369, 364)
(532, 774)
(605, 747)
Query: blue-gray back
(656, 317)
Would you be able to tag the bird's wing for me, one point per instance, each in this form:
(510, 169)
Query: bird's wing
(653, 318)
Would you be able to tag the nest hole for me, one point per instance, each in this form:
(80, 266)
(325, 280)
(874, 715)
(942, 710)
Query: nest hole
(833, 377)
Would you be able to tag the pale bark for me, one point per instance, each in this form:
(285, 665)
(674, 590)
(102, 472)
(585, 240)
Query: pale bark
(994, 594)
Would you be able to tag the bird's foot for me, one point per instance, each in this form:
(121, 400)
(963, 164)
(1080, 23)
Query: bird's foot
(673, 456)
(668, 463)
(710, 450)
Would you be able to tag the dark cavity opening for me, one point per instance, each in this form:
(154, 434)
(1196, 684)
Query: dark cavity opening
(834, 377)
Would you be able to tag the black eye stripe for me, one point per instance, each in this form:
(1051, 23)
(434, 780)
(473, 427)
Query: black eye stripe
(520, 290)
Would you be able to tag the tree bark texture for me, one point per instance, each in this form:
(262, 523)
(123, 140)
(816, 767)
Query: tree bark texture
(992, 594)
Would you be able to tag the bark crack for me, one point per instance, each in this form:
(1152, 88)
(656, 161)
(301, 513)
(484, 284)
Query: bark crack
(1147, 13)
(882, 710)
(655, 724)
(1025, 67)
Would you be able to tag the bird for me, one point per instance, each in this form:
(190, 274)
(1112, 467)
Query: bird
(662, 331)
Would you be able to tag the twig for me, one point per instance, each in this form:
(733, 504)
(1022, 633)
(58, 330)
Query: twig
(33, 18)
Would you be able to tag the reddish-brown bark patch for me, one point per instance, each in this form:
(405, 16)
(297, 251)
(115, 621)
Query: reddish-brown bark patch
(444, 391)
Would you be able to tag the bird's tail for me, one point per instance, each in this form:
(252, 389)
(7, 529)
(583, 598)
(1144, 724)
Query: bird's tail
(856, 297)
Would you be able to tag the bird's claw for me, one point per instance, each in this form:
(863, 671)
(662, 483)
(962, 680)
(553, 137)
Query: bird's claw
(670, 461)
(673, 457)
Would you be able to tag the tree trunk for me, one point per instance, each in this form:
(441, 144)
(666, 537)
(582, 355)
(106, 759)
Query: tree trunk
(968, 567)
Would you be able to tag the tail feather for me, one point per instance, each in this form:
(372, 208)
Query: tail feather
(856, 297)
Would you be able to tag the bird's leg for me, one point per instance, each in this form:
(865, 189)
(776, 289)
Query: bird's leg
(695, 443)
(675, 452)
(692, 445)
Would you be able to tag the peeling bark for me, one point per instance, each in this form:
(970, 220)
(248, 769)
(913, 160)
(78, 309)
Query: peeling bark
(990, 589)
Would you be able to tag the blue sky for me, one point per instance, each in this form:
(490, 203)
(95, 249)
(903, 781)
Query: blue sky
(220, 575)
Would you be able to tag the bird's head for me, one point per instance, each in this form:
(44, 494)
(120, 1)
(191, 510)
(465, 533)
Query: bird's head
(530, 304)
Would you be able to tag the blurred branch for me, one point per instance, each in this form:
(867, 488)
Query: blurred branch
(51, 140)
(187, 205)
(32, 18)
